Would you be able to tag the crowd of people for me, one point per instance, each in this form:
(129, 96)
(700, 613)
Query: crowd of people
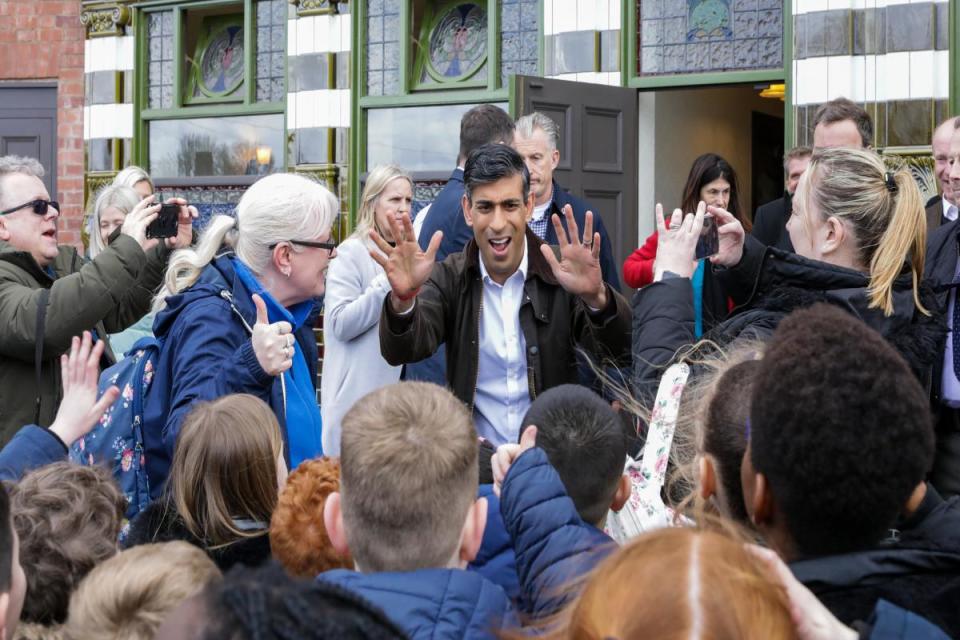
(761, 442)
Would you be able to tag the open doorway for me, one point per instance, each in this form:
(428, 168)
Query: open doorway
(677, 125)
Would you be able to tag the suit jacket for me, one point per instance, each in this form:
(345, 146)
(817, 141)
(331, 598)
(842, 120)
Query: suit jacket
(770, 223)
(934, 209)
(446, 214)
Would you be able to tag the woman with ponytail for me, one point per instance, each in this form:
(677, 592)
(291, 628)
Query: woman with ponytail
(859, 232)
(236, 314)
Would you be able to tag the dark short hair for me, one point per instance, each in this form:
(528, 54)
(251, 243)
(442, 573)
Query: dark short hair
(6, 542)
(265, 602)
(841, 429)
(484, 124)
(845, 109)
(585, 442)
(493, 162)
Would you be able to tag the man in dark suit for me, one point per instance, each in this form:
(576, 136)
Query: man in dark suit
(770, 220)
(942, 208)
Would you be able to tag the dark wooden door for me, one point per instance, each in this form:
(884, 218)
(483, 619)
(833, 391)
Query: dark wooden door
(598, 148)
(28, 126)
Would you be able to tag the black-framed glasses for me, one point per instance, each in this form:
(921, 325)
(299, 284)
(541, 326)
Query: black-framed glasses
(329, 246)
(39, 207)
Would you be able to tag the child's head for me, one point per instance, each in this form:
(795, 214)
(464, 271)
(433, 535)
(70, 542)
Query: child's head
(13, 582)
(408, 481)
(265, 603)
(68, 518)
(298, 537)
(129, 595)
(840, 436)
(585, 442)
(722, 434)
(227, 465)
(679, 583)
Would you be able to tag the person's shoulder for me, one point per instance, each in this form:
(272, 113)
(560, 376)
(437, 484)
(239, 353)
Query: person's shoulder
(935, 200)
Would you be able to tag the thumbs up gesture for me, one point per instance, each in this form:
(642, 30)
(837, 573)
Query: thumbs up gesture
(272, 343)
(506, 455)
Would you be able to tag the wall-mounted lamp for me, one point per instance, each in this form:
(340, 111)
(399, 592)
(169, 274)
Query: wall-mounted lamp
(774, 91)
(264, 154)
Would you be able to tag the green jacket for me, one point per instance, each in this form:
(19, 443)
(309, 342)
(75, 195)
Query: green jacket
(107, 295)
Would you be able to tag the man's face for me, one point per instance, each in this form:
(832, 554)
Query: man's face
(843, 133)
(953, 162)
(541, 160)
(498, 216)
(942, 138)
(24, 229)
(795, 169)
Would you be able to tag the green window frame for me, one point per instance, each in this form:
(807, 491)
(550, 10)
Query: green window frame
(182, 107)
(409, 95)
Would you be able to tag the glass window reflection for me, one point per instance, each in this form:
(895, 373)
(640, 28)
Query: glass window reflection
(416, 138)
(245, 145)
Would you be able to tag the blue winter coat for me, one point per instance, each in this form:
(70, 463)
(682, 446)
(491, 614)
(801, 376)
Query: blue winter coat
(206, 353)
(495, 561)
(33, 447)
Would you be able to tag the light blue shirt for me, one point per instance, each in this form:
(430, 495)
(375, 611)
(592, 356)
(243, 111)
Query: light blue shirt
(503, 388)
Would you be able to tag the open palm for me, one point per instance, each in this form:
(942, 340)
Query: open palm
(578, 269)
(407, 265)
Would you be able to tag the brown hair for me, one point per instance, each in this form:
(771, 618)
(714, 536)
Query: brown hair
(298, 537)
(706, 169)
(225, 467)
(408, 476)
(68, 518)
(675, 581)
(845, 109)
(795, 154)
(129, 595)
(883, 208)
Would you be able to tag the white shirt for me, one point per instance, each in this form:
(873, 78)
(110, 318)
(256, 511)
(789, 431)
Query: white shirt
(949, 209)
(949, 384)
(539, 211)
(503, 388)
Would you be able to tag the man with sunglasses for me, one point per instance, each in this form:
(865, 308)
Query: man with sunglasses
(48, 293)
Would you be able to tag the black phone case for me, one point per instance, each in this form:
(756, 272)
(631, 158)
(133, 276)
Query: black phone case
(165, 226)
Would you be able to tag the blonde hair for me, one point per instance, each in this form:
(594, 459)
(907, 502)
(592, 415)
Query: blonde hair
(276, 208)
(113, 195)
(679, 583)
(377, 181)
(887, 216)
(128, 596)
(132, 176)
(225, 467)
(408, 465)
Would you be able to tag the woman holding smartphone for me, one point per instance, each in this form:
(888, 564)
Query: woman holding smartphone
(713, 181)
(356, 288)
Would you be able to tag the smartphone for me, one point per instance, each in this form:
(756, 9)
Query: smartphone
(709, 242)
(165, 226)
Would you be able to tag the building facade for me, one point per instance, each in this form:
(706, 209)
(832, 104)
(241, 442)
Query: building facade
(208, 95)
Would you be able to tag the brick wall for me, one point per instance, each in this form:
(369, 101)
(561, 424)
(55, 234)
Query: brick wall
(43, 40)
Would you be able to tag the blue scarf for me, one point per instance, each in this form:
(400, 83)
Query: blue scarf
(304, 424)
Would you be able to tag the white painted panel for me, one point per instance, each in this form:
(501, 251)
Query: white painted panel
(305, 35)
(586, 16)
(810, 81)
(344, 108)
(344, 31)
(292, 111)
(564, 16)
(86, 121)
(292, 37)
(125, 56)
(323, 30)
(941, 77)
(123, 120)
(839, 76)
(893, 76)
(922, 74)
(615, 15)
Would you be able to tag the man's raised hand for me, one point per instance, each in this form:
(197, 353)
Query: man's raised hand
(578, 270)
(407, 266)
(507, 454)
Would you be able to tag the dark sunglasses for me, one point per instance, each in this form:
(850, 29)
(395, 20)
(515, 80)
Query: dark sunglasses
(329, 246)
(39, 207)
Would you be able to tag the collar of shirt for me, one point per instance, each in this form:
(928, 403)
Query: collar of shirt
(949, 209)
(540, 210)
(522, 269)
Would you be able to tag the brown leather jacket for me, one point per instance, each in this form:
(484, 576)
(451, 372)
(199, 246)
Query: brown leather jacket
(553, 322)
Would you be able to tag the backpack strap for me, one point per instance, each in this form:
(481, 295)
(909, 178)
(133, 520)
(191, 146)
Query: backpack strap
(39, 335)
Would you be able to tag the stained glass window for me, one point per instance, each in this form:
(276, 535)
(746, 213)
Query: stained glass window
(457, 45)
(271, 50)
(160, 70)
(696, 36)
(520, 42)
(383, 47)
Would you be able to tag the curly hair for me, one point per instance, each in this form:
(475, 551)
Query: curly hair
(298, 537)
(841, 429)
(68, 518)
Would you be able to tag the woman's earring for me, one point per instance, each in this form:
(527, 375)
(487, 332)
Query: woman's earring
(286, 272)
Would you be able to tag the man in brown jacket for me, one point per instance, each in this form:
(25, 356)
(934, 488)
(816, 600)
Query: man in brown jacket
(510, 310)
(48, 293)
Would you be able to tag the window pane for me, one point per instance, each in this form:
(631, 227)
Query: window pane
(160, 68)
(399, 136)
(696, 36)
(244, 145)
(271, 50)
(383, 48)
(520, 43)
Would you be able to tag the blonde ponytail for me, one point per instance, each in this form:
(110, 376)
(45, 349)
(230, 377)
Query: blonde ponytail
(185, 265)
(906, 235)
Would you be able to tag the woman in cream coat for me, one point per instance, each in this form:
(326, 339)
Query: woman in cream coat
(356, 288)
